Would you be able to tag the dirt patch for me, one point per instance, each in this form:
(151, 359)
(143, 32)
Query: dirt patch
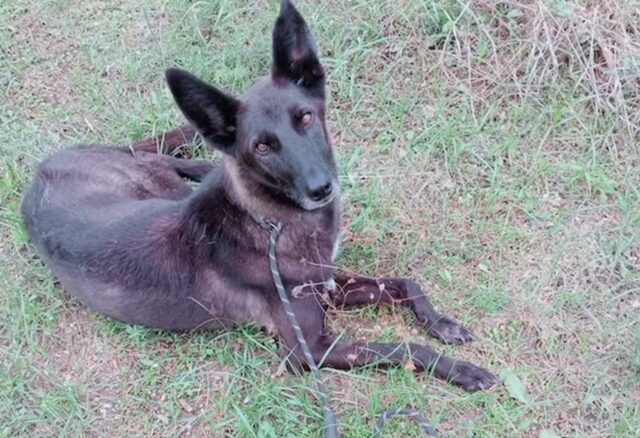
(145, 30)
(103, 366)
(50, 53)
(77, 354)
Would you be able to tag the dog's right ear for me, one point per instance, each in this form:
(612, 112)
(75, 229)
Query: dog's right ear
(210, 111)
(295, 56)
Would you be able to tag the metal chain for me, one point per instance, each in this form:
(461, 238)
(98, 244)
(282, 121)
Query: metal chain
(411, 413)
(330, 424)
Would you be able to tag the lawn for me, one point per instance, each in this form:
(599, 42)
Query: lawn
(488, 149)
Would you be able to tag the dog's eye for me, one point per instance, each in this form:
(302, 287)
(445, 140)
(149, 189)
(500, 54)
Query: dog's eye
(262, 148)
(306, 119)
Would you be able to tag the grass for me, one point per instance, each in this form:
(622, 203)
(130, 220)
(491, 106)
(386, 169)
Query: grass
(488, 149)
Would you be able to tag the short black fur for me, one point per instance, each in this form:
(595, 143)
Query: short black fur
(129, 237)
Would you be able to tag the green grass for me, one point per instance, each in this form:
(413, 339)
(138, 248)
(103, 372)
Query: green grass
(488, 150)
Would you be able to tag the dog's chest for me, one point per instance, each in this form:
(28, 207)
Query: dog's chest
(306, 254)
(304, 250)
(319, 232)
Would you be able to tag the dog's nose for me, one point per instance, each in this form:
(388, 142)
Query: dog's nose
(321, 192)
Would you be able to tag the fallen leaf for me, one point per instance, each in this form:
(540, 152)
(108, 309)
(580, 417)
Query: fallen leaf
(409, 365)
(282, 368)
(186, 406)
(514, 386)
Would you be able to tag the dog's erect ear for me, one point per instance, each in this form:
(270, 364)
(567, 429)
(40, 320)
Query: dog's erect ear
(294, 52)
(210, 111)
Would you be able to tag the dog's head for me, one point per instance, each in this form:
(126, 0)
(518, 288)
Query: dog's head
(275, 133)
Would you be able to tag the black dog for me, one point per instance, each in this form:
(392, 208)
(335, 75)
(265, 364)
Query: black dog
(129, 237)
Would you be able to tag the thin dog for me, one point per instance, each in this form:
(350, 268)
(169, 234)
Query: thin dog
(130, 237)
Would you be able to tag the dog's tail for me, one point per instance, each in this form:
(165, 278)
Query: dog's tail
(167, 142)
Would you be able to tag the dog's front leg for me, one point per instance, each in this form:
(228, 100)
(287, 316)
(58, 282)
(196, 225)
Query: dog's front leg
(357, 291)
(343, 355)
(327, 352)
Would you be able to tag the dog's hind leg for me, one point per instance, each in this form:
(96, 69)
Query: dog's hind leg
(167, 142)
(194, 170)
(357, 291)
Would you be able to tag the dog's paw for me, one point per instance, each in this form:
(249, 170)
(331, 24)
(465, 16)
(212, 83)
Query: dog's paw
(471, 377)
(448, 331)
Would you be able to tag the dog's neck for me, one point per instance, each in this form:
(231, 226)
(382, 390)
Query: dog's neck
(253, 200)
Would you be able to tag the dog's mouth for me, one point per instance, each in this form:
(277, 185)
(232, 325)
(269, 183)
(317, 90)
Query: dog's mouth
(306, 203)
(310, 205)
(300, 197)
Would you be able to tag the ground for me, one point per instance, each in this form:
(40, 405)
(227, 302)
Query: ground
(490, 150)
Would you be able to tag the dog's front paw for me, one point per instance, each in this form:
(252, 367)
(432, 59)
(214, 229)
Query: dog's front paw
(470, 377)
(448, 331)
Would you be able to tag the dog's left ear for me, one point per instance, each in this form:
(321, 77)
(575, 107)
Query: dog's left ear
(294, 52)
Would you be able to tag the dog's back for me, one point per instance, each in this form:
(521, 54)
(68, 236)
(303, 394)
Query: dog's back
(80, 194)
(89, 211)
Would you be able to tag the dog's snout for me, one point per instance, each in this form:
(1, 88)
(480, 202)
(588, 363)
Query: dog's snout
(321, 191)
